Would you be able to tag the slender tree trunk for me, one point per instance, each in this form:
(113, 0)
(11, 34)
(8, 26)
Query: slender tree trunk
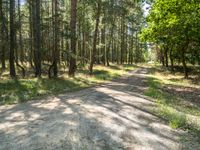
(166, 56)
(162, 57)
(103, 42)
(183, 51)
(184, 64)
(83, 48)
(171, 60)
(2, 44)
(30, 3)
(136, 48)
(72, 61)
(109, 46)
(126, 45)
(37, 38)
(12, 39)
(93, 54)
(83, 52)
(20, 33)
(122, 39)
(79, 44)
(98, 49)
(56, 39)
(131, 47)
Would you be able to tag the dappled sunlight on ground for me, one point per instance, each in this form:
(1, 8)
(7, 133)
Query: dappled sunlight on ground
(110, 116)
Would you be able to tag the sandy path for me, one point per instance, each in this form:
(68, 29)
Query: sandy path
(111, 116)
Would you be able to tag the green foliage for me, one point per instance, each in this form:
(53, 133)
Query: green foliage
(172, 20)
(174, 25)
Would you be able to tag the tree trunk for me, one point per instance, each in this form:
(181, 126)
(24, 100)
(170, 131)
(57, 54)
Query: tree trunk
(37, 37)
(162, 57)
(20, 33)
(31, 32)
(98, 49)
(171, 60)
(131, 47)
(136, 48)
(12, 39)
(184, 64)
(122, 39)
(2, 44)
(166, 56)
(103, 42)
(183, 51)
(83, 48)
(93, 54)
(72, 60)
(56, 40)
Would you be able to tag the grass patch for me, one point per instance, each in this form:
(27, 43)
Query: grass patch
(22, 90)
(15, 91)
(175, 118)
(179, 111)
(164, 101)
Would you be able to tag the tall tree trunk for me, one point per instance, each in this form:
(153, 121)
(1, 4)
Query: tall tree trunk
(131, 46)
(162, 57)
(2, 40)
(20, 47)
(184, 63)
(166, 56)
(93, 54)
(122, 39)
(136, 48)
(72, 60)
(171, 59)
(12, 39)
(103, 42)
(126, 45)
(83, 48)
(109, 46)
(98, 49)
(56, 39)
(37, 37)
(30, 7)
(183, 51)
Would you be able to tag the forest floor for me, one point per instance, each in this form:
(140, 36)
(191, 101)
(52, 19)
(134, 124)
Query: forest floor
(116, 115)
(31, 88)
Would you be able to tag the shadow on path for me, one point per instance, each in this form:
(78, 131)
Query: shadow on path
(107, 117)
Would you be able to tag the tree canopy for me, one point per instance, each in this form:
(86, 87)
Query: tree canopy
(174, 26)
(46, 36)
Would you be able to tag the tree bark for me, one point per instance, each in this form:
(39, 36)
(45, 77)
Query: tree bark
(171, 60)
(20, 33)
(56, 39)
(122, 39)
(184, 64)
(37, 38)
(30, 7)
(166, 56)
(2, 44)
(12, 39)
(183, 51)
(72, 59)
(93, 54)
(103, 42)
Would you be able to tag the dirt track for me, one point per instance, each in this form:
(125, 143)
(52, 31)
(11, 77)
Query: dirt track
(107, 117)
